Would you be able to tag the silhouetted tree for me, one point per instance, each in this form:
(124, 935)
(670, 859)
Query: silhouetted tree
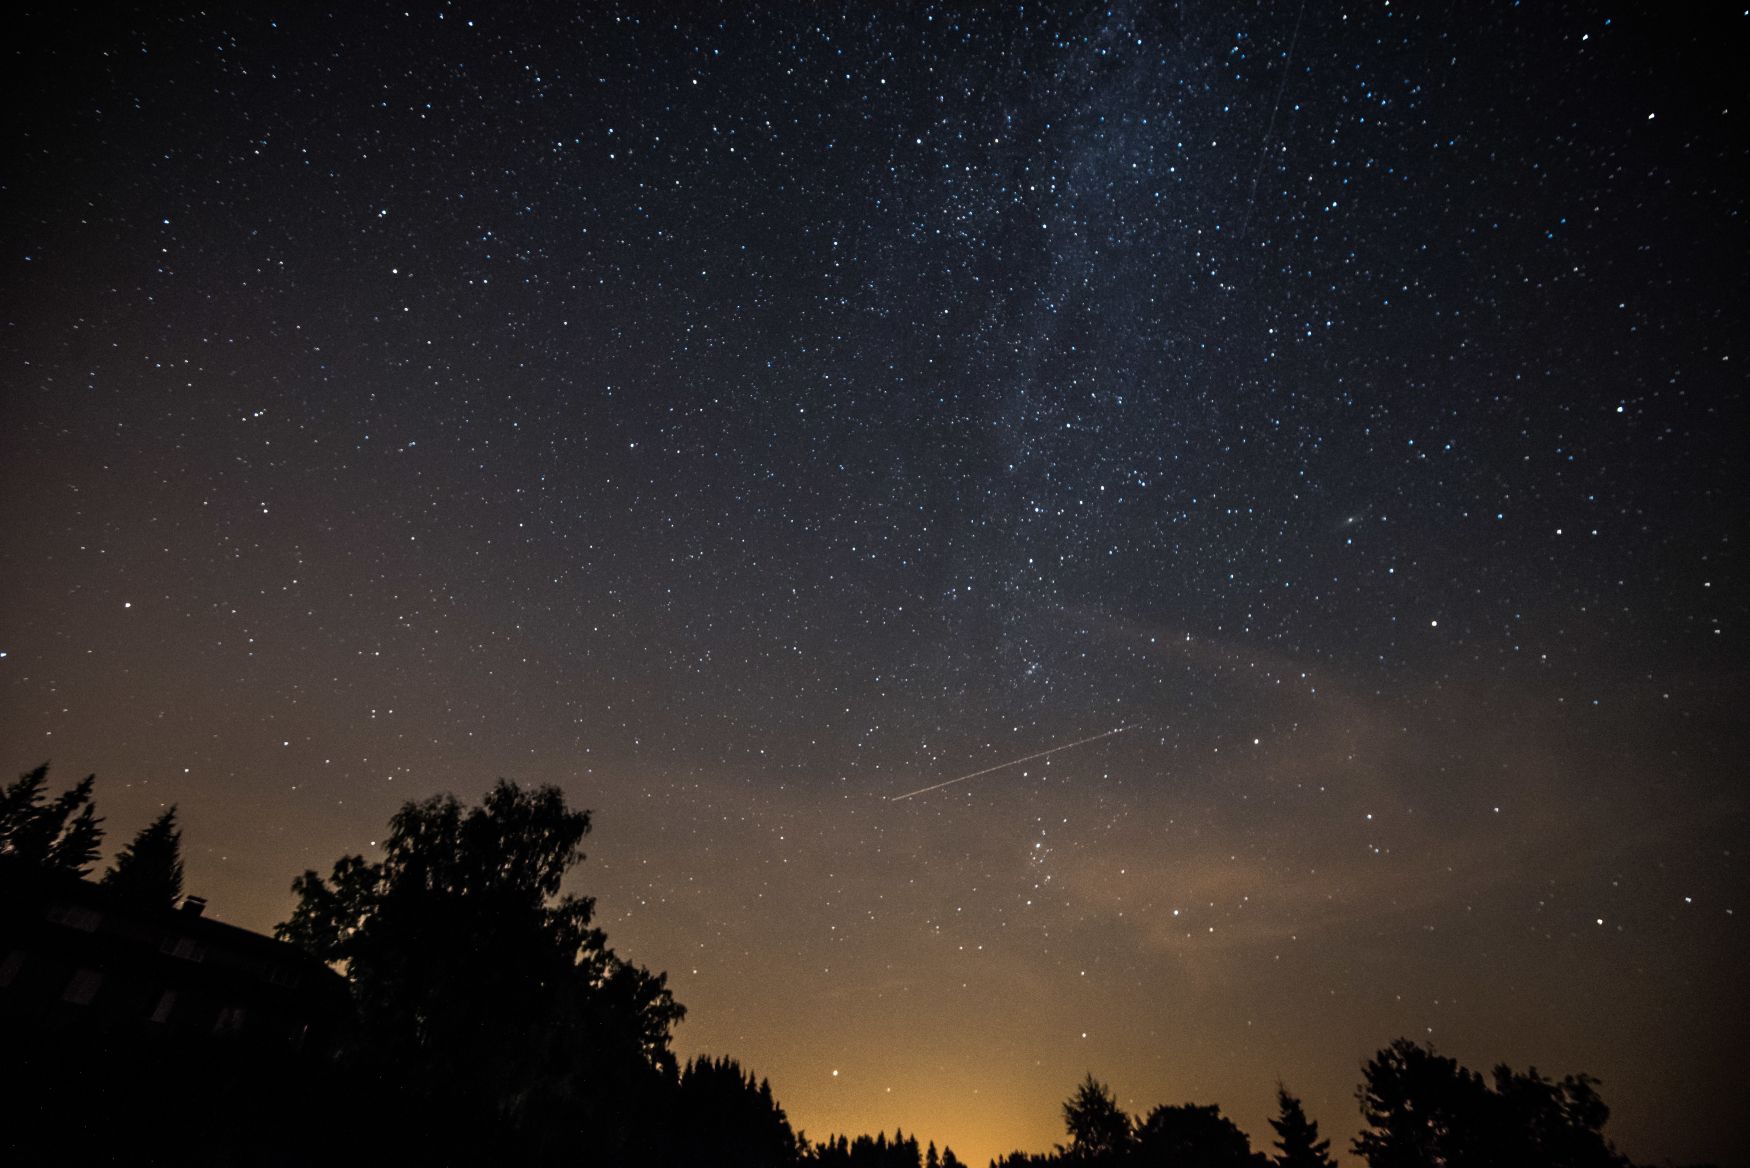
(149, 869)
(1099, 1131)
(484, 997)
(1422, 1109)
(1191, 1136)
(1297, 1137)
(867, 1152)
(724, 1117)
(1557, 1125)
(61, 834)
(949, 1159)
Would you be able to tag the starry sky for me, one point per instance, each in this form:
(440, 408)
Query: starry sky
(741, 415)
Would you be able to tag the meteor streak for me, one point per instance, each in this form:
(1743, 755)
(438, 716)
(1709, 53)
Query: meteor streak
(1013, 762)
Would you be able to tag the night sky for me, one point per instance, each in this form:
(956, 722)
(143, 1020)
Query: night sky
(741, 416)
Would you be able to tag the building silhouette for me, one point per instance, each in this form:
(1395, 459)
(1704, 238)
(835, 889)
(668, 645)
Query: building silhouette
(154, 1034)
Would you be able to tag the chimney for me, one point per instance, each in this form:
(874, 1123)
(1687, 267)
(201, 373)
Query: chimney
(194, 906)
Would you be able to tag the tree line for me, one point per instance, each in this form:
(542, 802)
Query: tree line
(65, 834)
(493, 1023)
(1420, 1110)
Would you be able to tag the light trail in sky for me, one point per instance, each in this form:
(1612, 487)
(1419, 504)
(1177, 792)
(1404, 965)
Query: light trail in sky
(1012, 762)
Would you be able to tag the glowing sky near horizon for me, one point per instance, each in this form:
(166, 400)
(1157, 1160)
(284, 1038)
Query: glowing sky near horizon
(743, 417)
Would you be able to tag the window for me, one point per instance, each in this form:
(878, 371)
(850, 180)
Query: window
(230, 1020)
(186, 948)
(82, 987)
(73, 916)
(280, 976)
(166, 1003)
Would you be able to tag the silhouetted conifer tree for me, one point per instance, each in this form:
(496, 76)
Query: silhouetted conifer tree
(875, 1151)
(62, 834)
(149, 869)
(1099, 1131)
(725, 1118)
(1297, 1137)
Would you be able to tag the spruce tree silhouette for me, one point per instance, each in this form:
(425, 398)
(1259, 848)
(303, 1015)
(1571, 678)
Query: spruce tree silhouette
(148, 872)
(1099, 1131)
(61, 835)
(722, 1116)
(1035, 1159)
(1297, 1137)
(867, 1152)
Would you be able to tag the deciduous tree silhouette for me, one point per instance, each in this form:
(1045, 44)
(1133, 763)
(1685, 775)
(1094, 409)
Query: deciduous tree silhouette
(61, 834)
(484, 997)
(1193, 1136)
(1422, 1109)
(149, 869)
(1099, 1131)
(1297, 1137)
(1556, 1124)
